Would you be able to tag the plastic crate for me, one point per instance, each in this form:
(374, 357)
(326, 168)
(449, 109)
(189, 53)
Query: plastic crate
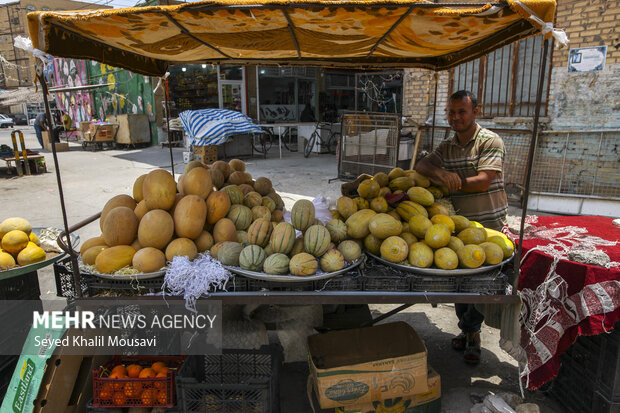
(131, 392)
(341, 283)
(603, 405)
(21, 287)
(258, 285)
(572, 391)
(433, 283)
(387, 282)
(91, 409)
(239, 381)
(493, 284)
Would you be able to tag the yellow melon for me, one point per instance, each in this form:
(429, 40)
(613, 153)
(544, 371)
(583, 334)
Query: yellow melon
(436, 192)
(384, 191)
(90, 255)
(205, 241)
(332, 261)
(460, 223)
(156, 229)
(141, 209)
(346, 207)
(6, 261)
(198, 182)
(361, 203)
(225, 230)
(383, 226)
(472, 235)
(437, 209)
(455, 243)
(357, 224)
(34, 239)
(114, 258)
(505, 244)
(420, 255)
(30, 255)
(191, 165)
(394, 249)
(492, 252)
(373, 244)
(118, 200)
(396, 173)
(190, 215)
(120, 227)
(14, 241)
(148, 260)
(368, 188)
(181, 247)
(446, 259)
(445, 220)
(382, 179)
(409, 238)
(437, 236)
(418, 225)
(420, 195)
(11, 224)
(471, 256)
(379, 204)
(92, 242)
(138, 195)
(159, 189)
(421, 180)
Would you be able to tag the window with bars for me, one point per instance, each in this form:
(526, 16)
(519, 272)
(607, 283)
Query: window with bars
(506, 80)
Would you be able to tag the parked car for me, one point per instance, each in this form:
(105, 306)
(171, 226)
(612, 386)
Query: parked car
(5, 121)
(19, 118)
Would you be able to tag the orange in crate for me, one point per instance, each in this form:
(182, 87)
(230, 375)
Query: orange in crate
(119, 398)
(162, 397)
(158, 365)
(161, 384)
(120, 369)
(118, 384)
(133, 389)
(149, 397)
(147, 373)
(107, 392)
(133, 370)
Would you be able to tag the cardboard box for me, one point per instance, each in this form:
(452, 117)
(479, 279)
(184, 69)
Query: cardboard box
(100, 133)
(60, 146)
(427, 402)
(206, 154)
(359, 366)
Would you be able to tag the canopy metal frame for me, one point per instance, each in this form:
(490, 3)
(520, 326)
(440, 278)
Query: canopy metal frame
(295, 298)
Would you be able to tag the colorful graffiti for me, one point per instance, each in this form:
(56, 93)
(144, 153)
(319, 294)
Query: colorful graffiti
(78, 104)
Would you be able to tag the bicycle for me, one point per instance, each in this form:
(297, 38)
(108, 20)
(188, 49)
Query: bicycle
(331, 143)
(262, 142)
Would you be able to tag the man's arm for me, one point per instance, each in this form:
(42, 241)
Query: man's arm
(478, 183)
(429, 167)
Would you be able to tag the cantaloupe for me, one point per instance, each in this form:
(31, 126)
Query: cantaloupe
(350, 250)
(181, 247)
(120, 226)
(337, 230)
(252, 199)
(235, 195)
(241, 216)
(223, 167)
(138, 195)
(252, 258)
(218, 205)
(237, 165)
(198, 182)
(159, 189)
(189, 216)
(229, 252)
(156, 229)
(282, 238)
(11, 224)
(114, 258)
(332, 261)
(302, 214)
(316, 240)
(277, 264)
(148, 260)
(118, 200)
(260, 211)
(224, 230)
(269, 203)
(259, 232)
(298, 246)
(303, 264)
(263, 185)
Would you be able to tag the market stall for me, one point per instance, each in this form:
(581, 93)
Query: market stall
(322, 33)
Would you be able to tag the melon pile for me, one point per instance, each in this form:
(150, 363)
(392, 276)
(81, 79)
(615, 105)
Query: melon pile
(19, 245)
(420, 231)
(207, 207)
(273, 248)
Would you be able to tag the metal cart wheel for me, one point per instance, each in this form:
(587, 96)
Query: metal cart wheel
(310, 144)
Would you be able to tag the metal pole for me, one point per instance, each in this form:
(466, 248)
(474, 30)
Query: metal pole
(72, 253)
(434, 111)
(530, 157)
(168, 126)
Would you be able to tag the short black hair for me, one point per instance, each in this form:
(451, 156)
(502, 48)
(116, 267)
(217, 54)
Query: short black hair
(462, 94)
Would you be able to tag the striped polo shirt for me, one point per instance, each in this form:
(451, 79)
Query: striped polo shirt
(484, 152)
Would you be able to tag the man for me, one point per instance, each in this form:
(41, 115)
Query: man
(40, 125)
(470, 165)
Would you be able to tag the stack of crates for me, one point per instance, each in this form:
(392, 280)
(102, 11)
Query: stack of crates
(589, 379)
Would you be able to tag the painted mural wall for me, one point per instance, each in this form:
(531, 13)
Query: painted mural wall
(77, 104)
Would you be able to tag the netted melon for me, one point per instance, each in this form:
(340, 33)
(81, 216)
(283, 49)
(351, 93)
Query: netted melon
(446, 259)
(223, 167)
(420, 255)
(332, 261)
(303, 264)
(259, 232)
(269, 204)
(277, 215)
(217, 178)
(229, 252)
(471, 256)
(394, 249)
(277, 264)
(337, 230)
(252, 199)
(350, 250)
(242, 237)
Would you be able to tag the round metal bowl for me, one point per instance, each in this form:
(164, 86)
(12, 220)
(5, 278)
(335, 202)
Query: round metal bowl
(14, 272)
(128, 277)
(437, 271)
(293, 278)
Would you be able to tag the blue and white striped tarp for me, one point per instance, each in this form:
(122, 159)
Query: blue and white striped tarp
(214, 126)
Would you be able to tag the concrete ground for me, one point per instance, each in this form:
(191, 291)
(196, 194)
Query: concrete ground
(89, 179)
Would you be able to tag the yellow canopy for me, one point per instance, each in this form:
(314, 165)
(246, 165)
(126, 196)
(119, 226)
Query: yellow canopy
(348, 34)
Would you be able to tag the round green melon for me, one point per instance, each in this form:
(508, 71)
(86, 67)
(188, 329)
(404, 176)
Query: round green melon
(316, 240)
(252, 258)
(277, 264)
(228, 253)
(241, 216)
(283, 238)
(337, 230)
(234, 193)
(302, 214)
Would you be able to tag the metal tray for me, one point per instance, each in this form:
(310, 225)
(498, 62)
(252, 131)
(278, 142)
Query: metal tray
(130, 277)
(14, 272)
(293, 278)
(437, 271)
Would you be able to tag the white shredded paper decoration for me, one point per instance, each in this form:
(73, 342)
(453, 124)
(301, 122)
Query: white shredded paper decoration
(193, 279)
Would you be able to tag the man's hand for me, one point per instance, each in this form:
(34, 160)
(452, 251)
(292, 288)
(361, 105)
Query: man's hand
(450, 180)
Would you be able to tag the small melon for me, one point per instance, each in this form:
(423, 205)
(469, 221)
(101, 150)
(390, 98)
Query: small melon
(316, 240)
(259, 232)
(229, 253)
(373, 244)
(394, 249)
(303, 214)
(303, 264)
(460, 223)
(368, 188)
(471, 256)
(181, 247)
(346, 207)
(437, 209)
(396, 173)
(385, 191)
(237, 165)
(332, 261)
(446, 259)
(382, 179)
(269, 203)
(245, 188)
(445, 220)
(436, 192)
(418, 225)
(90, 255)
(437, 236)
(217, 178)
(361, 203)
(235, 195)
(218, 205)
(141, 209)
(198, 182)
(383, 226)
(6, 261)
(239, 178)
(223, 167)
(350, 250)
(401, 184)
(455, 244)
(191, 165)
(114, 258)
(337, 230)
(420, 195)
(189, 216)
(224, 230)
(136, 245)
(241, 216)
(263, 185)
(33, 238)
(298, 246)
(204, 242)
(357, 224)
(472, 235)
(283, 238)
(156, 229)
(120, 226)
(92, 242)
(14, 241)
(379, 204)
(252, 258)
(30, 255)
(277, 264)
(148, 259)
(215, 248)
(138, 195)
(159, 189)
(260, 211)
(252, 199)
(493, 253)
(242, 237)
(277, 215)
(420, 255)
(11, 224)
(409, 238)
(421, 180)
